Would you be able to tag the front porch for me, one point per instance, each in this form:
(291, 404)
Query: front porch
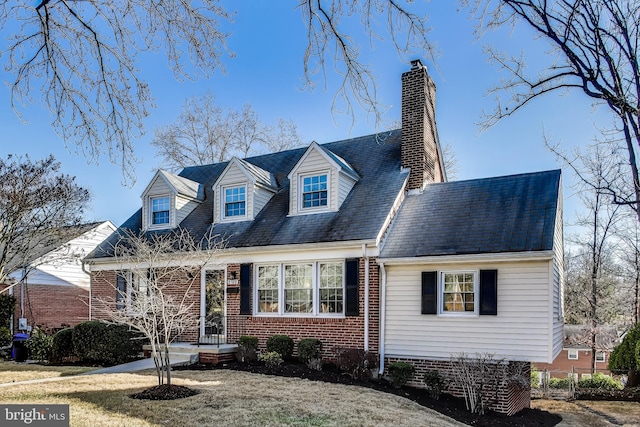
(190, 353)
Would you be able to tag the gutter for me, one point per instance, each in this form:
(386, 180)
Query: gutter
(383, 305)
(483, 257)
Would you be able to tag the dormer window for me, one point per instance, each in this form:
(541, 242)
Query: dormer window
(160, 207)
(314, 191)
(234, 202)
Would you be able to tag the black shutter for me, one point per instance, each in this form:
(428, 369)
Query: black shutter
(245, 289)
(352, 306)
(121, 289)
(429, 292)
(489, 292)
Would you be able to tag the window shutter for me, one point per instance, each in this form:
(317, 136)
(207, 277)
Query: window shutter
(429, 292)
(489, 292)
(245, 289)
(121, 289)
(352, 288)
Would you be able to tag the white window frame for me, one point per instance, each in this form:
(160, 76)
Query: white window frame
(301, 177)
(315, 290)
(572, 354)
(601, 359)
(223, 202)
(151, 211)
(476, 292)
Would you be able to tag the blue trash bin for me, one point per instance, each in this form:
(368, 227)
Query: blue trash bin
(19, 352)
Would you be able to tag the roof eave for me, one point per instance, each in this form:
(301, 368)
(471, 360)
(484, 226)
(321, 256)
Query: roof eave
(546, 255)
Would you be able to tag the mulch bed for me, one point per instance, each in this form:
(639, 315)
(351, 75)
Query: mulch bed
(448, 405)
(165, 392)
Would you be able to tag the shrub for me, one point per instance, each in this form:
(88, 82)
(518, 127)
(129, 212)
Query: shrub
(357, 363)
(400, 373)
(281, 344)
(39, 345)
(105, 344)
(563, 383)
(247, 349)
(315, 364)
(434, 384)
(601, 382)
(62, 348)
(309, 349)
(624, 358)
(271, 359)
(7, 306)
(5, 336)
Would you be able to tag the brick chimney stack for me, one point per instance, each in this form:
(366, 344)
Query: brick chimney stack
(419, 134)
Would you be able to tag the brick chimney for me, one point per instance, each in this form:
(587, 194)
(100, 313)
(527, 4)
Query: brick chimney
(420, 147)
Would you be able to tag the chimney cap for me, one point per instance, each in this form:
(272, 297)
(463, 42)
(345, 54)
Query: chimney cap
(416, 63)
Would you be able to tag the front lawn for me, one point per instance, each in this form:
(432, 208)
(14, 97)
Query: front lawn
(11, 372)
(226, 398)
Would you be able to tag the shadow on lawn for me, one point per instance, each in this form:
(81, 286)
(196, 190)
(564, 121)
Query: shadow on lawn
(447, 405)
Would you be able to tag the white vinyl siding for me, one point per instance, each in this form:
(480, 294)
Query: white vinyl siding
(345, 184)
(519, 331)
(63, 266)
(184, 207)
(260, 199)
(558, 282)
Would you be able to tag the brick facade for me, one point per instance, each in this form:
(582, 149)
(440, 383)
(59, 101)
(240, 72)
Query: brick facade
(51, 307)
(419, 133)
(562, 366)
(342, 332)
(510, 399)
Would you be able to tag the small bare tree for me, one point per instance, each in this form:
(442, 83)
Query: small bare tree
(156, 292)
(206, 133)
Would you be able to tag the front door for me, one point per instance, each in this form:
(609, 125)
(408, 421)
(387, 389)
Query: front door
(214, 324)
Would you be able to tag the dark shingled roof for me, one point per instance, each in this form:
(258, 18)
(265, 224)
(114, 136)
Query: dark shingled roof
(514, 213)
(375, 158)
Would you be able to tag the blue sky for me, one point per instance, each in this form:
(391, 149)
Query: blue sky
(269, 41)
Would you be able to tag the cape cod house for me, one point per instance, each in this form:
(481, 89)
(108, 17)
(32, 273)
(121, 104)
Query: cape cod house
(364, 244)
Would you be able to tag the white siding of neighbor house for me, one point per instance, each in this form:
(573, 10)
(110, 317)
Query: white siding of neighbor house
(233, 177)
(558, 283)
(63, 266)
(520, 331)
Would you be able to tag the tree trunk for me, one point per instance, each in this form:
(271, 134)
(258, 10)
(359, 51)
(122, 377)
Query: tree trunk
(633, 378)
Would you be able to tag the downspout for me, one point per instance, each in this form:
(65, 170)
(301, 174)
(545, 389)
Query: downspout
(90, 287)
(366, 297)
(383, 305)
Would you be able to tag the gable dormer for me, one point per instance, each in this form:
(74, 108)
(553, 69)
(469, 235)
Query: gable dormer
(241, 191)
(168, 199)
(320, 182)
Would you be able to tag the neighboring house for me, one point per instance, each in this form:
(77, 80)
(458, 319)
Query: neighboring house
(363, 244)
(55, 292)
(575, 357)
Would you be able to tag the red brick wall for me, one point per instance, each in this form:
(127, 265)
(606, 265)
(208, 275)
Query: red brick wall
(562, 365)
(103, 292)
(52, 307)
(344, 332)
(510, 399)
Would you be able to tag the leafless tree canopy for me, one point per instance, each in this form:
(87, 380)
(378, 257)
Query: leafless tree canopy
(38, 207)
(594, 49)
(81, 56)
(206, 133)
(82, 59)
(330, 43)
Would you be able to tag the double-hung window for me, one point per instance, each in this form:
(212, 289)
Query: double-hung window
(572, 354)
(459, 292)
(160, 207)
(314, 191)
(234, 201)
(309, 289)
(600, 356)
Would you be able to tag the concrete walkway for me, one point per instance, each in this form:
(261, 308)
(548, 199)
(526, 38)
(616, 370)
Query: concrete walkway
(142, 364)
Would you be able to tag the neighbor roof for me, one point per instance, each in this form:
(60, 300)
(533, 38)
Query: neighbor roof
(361, 216)
(505, 214)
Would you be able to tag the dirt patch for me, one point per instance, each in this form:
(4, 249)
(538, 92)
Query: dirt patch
(447, 405)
